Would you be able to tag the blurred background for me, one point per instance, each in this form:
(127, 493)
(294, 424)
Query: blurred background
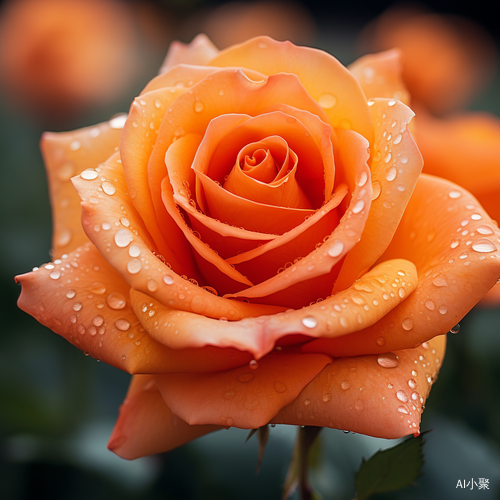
(65, 64)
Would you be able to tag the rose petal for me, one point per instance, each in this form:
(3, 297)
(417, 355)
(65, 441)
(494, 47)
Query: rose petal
(380, 75)
(325, 78)
(453, 274)
(244, 397)
(136, 147)
(379, 395)
(106, 220)
(199, 52)
(464, 149)
(146, 425)
(66, 154)
(93, 311)
(300, 280)
(263, 262)
(396, 165)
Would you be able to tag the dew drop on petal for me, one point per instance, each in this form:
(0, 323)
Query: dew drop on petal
(134, 266)
(345, 384)
(152, 285)
(360, 204)
(122, 324)
(454, 194)
(484, 245)
(118, 122)
(358, 405)
(392, 102)
(123, 237)
(55, 275)
(70, 294)
(391, 175)
(309, 322)
(89, 174)
(476, 217)
(376, 190)
(440, 281)
(380, 341)
(402, 396)
(134, 251)
(77, 306)
(484, 230)
(116, 300)
(108, 188)
(388, 360)
(246, 377)
(455, 329)
(198, 107)
(280, 387)
(407, 324)
(362, 179)
(168, 280)
(327, 397)
(336, 249)
(443, 310)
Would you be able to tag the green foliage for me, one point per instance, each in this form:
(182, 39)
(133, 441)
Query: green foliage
(390, 469)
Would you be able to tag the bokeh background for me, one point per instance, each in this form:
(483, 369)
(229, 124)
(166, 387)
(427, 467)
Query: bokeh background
(70, 63)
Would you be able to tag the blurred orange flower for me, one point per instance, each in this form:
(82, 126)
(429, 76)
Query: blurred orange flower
(58, 57)
(446, 60)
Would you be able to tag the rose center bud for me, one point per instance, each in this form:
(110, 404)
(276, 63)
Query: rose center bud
(265, 172)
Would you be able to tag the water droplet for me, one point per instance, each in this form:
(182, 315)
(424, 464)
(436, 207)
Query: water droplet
(118, 122)
(455, 329)
(106, 226)
(362, 179)
(198, 107)
(75, 145)
(253, 364)
(327, 397)
(484, 245)
(336, 249)
(440, 281)
(407, 324)
(380, 341)
(464, 255)
(402, 409)
(246, 377)
(55, 275)
(152, 285)
(123, 237)
(122, 324)
(402, 396)
(98, 320)
(358, 405)
(358, 207)
(70, 294)
(376, 190)
(77, 306)
(168, 280)
(475, 217)
(402, 293)
(307, 402)
(134, 266)
(116, 301)
(454, 194)
(134, 251)
(443, 310)
(387, 159)
(484, 230)
(397, 139)
(280, 387)
(89, 174)
(391, 175)
(309, 322)
(108, 188)
(391, 102)
(327, 101)
(345, 384)
(388, 360)
(229, 394)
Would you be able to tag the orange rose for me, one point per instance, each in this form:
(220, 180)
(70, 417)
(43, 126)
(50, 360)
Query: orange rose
(262, 248)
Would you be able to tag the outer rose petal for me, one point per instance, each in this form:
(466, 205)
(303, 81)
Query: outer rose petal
(464, 149)
(396, 165)
(66, 154)
(325, 78)
(94, 313)
(457, 264)
(370, 394)
(380, 75)
(198, 52)
(146, 425)
(241, 397)
(118, 232)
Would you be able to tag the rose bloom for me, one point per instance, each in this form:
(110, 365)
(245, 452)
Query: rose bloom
(446, 60)
(258, 246)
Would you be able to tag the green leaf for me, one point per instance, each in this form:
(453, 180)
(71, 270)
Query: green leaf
(390, 469)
